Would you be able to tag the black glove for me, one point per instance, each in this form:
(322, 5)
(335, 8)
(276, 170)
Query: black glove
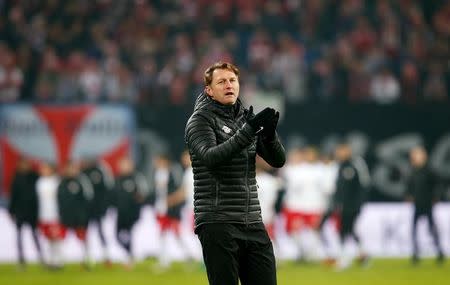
(269, 128)
(261, 119)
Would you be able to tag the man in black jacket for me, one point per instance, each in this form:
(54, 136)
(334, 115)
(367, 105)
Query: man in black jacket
(75, 195)
(223, 139)
(352, 184)
(102, 182)
(130, 192)
(23, 206)
(422, 191)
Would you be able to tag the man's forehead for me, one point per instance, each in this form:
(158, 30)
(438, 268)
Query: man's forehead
(223, 73)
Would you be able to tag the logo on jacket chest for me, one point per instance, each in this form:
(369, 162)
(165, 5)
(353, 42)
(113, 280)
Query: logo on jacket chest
(73, 187)
(226, 129)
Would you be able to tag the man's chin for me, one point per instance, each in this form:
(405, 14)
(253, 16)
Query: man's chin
(229, 102)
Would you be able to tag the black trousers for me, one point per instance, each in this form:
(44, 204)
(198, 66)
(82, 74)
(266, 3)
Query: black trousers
(233, 252)
(97, 221)
(124, 236)
(348, 226)
(428, 213)
(34, 232)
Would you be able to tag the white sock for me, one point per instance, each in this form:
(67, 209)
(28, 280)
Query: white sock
(164, 256)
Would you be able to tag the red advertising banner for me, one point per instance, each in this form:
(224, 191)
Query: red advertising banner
(56, 134)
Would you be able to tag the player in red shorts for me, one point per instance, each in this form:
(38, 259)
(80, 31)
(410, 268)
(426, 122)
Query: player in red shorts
(269, 187)
(305, 202)
(169, 201)
(48, 213)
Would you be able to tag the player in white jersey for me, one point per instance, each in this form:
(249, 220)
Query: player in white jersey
(189, 240)
(329, 170)
(169, 201)
(269, 187)
(48, 214)
(305, 201)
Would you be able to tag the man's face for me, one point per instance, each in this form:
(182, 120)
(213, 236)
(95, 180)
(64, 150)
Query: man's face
(224, 87)
(418, 157)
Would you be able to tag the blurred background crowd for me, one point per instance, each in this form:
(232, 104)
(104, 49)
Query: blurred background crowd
(153, 53)
(368, 71)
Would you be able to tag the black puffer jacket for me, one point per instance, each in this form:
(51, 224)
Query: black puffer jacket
(74, 198)
(223, 150)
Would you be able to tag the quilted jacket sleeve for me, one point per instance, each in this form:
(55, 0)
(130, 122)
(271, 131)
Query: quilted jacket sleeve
(201, 141)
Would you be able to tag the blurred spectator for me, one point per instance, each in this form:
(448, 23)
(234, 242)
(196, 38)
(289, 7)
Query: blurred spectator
(69, 87)
(48, 77)
(410, 82)
(435, 87)
(384, 87)
(133, 53)
(11, 77)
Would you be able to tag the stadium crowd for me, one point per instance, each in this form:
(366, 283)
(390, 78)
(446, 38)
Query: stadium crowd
(153, 53)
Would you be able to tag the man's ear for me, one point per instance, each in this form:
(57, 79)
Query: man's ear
(208, 90)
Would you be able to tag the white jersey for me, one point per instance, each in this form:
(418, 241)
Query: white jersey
(328, 175)
(268, 187)
(304, 190)
(47, 192)
(188, 186)
(161, 188)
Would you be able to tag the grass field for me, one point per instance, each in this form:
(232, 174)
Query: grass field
(383, 272)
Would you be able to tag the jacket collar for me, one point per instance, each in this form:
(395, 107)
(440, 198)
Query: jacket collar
(206, 102)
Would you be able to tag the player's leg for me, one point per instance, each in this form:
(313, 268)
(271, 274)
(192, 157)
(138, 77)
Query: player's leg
(123, 235)
(19, 243)
(81, 234)
(435, 234)
(415, 255)
(37, 242)
(363, 257)
(345, 258)
(99, 226)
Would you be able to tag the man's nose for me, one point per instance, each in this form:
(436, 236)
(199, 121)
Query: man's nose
(228, 84)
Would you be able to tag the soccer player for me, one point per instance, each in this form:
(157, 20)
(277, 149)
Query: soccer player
(268, 191)
(423, 193)
(352, 184)
(130, 192)
(23, 206)
(100, 176)
(48, 213)
(75, 194)
(190, 241)
(169, 201)
(305, 202)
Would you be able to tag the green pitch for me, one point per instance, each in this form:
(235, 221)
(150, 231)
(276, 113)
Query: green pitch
(379, 272)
